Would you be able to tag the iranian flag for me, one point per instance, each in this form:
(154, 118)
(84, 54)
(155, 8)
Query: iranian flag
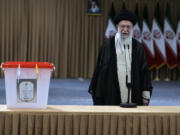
(158, 39)
(147, 41)
(178, 44)
(136, 29)
(170, 40)
(111, 28)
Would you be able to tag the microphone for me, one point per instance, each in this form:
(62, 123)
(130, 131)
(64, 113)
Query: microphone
(128, 104)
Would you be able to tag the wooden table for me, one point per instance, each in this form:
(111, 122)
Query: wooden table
(91, 120)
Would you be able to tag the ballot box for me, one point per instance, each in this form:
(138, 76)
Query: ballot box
(27, 84)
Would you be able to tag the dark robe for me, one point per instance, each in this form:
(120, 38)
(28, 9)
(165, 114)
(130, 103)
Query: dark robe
(104, 86)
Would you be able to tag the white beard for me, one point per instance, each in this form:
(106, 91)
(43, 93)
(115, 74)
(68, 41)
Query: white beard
(120, 41)
(126, 39)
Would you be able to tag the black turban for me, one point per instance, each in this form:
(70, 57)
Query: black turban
(125, 15)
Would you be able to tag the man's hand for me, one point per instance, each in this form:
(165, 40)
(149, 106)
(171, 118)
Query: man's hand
(145, 101)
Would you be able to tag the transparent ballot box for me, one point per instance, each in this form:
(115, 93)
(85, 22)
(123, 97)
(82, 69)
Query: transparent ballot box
(27, 84)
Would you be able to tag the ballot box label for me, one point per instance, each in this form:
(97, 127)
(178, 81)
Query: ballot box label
(26, 90)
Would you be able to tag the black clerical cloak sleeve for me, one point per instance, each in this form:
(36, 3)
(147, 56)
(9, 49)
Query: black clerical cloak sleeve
(104, 86)
(146, 79)
(141, 80)
(94, 89)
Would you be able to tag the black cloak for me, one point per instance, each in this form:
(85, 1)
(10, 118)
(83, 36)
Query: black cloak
(104, 86)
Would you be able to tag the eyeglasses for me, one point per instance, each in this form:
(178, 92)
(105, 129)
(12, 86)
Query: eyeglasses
(127, 26)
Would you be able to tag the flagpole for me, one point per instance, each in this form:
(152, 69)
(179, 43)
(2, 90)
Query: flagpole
(157, 75)
(167, 69)
(171, 44)
(167, 74)
(156, 69)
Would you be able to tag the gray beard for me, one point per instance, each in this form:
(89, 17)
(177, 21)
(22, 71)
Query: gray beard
(126, 40)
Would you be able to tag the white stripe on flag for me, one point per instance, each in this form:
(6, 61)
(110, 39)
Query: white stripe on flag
(110, 30)
(158, 38)
(137, 32)
(147, 38)
(169, 36)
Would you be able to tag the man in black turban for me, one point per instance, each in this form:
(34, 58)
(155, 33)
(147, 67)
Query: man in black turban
(121, 63)
(125, 15)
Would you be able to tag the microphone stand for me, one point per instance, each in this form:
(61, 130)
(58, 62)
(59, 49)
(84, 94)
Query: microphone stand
(128, 104)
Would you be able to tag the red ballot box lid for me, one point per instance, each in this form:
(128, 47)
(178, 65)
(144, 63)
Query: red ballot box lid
(15, 64)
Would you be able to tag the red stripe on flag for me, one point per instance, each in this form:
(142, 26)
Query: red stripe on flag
(159, 59)
(149, 56)
(171, 57)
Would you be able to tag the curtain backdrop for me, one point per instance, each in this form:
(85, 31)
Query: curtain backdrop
(60, 32)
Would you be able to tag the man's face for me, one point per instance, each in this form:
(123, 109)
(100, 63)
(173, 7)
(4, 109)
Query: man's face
(125, 28)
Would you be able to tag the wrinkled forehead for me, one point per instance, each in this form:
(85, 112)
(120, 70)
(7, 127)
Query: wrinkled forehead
(125, 22)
